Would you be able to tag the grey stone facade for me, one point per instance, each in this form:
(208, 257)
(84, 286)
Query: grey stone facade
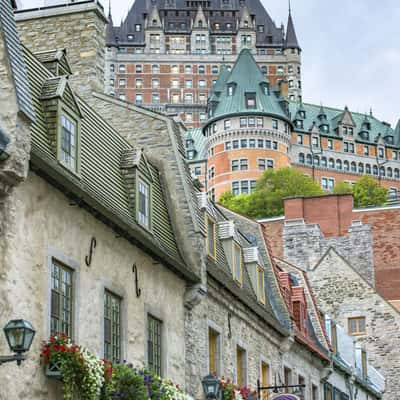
(343, 293)
(304, 245)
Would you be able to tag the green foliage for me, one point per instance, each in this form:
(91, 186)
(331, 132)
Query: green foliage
(271, 189)
(343, 188)
(368, 192)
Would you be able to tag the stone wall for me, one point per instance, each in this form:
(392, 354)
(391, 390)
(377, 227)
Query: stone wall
(304, 245)
(79, 28)
(38, 222)
(342, 293)
(262, 344)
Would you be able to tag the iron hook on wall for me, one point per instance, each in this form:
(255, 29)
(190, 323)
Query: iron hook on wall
(135, 271)
(93, 244)
(229, 325)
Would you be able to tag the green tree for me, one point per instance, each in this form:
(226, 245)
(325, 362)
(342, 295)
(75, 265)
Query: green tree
(272, 188)
(343, 188)
(368, 192)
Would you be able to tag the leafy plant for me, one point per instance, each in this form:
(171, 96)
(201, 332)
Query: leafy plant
(82, 372)
(368, 192)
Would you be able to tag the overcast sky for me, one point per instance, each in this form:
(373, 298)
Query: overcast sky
(351, 50)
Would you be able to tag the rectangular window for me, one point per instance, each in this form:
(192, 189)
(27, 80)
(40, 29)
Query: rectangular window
(364, 364)
(227, 124)
(188, 83)
(228, 145)
(274, 124)
(356, 326)
(275, 145)
(213, 351)
(243, 122)
(155, 43)
(188, 69)
(299, 139)
(334, 337)
(381, 152)
(155, 83)
(235, 165)
(265, 372)
(252, 143)
(139, 68)
(395, 155)
(244, 164)
(211, 237)
(287, 374)
(252, 122)
(327, 183)
(122, 68)
(250, 100)
(260, 285)
(314, 392)
(155, 98)
(260, 143)
(235, 144)
(235, 188)
(139, 83)
(237, 263)
(243, 143)
(154, 327)
(143, 204)
(68, 142)
(112, 327)
(330, 144)
(315, 142)
(61, 308)
(241, 366)
(202, 83)
(138, 98)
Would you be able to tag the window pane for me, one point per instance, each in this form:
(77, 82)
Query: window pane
(68, 141)
(154, 344)
(143, 206)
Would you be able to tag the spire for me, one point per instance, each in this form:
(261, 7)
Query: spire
(110, 38)
(291, 38)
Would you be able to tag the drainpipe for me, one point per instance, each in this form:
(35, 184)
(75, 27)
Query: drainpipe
(4, 140)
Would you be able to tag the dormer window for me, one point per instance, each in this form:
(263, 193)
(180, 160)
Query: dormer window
(131, 37)
(299, 124)
(303, 114)
(389, 139)
(143, 206)
(211, 237)
(200, 24)
(138, 28)
(260, 28)
(231, 89)
(154, 22)
(237, 263)
(68, 142)
(246, 24)
(251, 100)
(381, 152)
(265, 88)
(260, 285)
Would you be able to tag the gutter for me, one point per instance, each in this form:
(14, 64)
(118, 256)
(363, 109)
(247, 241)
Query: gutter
(4, 141)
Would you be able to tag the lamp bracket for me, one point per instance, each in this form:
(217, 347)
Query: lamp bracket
(16, 357)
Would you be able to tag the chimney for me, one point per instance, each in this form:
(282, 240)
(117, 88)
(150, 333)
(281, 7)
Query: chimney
(80, 28)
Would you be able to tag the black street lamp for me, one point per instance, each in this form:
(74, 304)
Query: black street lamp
(211, 387)
(19, 334)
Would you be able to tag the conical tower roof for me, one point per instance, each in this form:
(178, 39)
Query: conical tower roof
(110, 37)
(219, 85)
(246, 78)
(291, 41)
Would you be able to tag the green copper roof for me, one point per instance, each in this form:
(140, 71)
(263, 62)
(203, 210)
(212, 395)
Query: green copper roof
(199, 142)
(221, 81)
(333, 118)
(246, 78)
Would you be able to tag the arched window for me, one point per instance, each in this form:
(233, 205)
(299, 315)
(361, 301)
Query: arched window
(375, 170)
(389, 172)
(200, 24)
(346, 166)
(331, 163)
(301, 158)
(323, 162)
(339, 165)
(316, 160)
(309, 159)
(396, 173)
(367, 169)
(353, 167)
(360, 168)
(382, 171)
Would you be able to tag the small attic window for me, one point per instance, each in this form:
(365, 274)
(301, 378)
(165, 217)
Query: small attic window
(154, 22)
(265, 88)
(260, 28)
(303, 114)
(131, 37)
(211, 237)
(237, 263)
(143, 205)
(250, 100)
(231, 89)
(138, 28)
(68, 142)
(260, 285)
(200, 24)
(389, 139)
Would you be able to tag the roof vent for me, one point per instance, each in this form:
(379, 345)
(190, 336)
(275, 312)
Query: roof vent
(250, 254)
(226, 229)
(202, 200)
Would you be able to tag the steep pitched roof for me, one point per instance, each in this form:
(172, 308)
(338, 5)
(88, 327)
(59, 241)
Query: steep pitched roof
(246, 77)
(291, 41)
(334, 117)
(8, 30)
(270, 35)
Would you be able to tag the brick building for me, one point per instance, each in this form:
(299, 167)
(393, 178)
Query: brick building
(167, 55)
(251, 127)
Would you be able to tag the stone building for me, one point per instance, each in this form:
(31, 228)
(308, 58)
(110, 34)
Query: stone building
(167, 54)
(341, 250)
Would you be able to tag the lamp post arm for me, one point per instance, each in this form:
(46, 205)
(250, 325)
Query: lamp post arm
(16, 357)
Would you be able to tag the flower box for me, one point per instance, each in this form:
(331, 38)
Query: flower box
(53, 371)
